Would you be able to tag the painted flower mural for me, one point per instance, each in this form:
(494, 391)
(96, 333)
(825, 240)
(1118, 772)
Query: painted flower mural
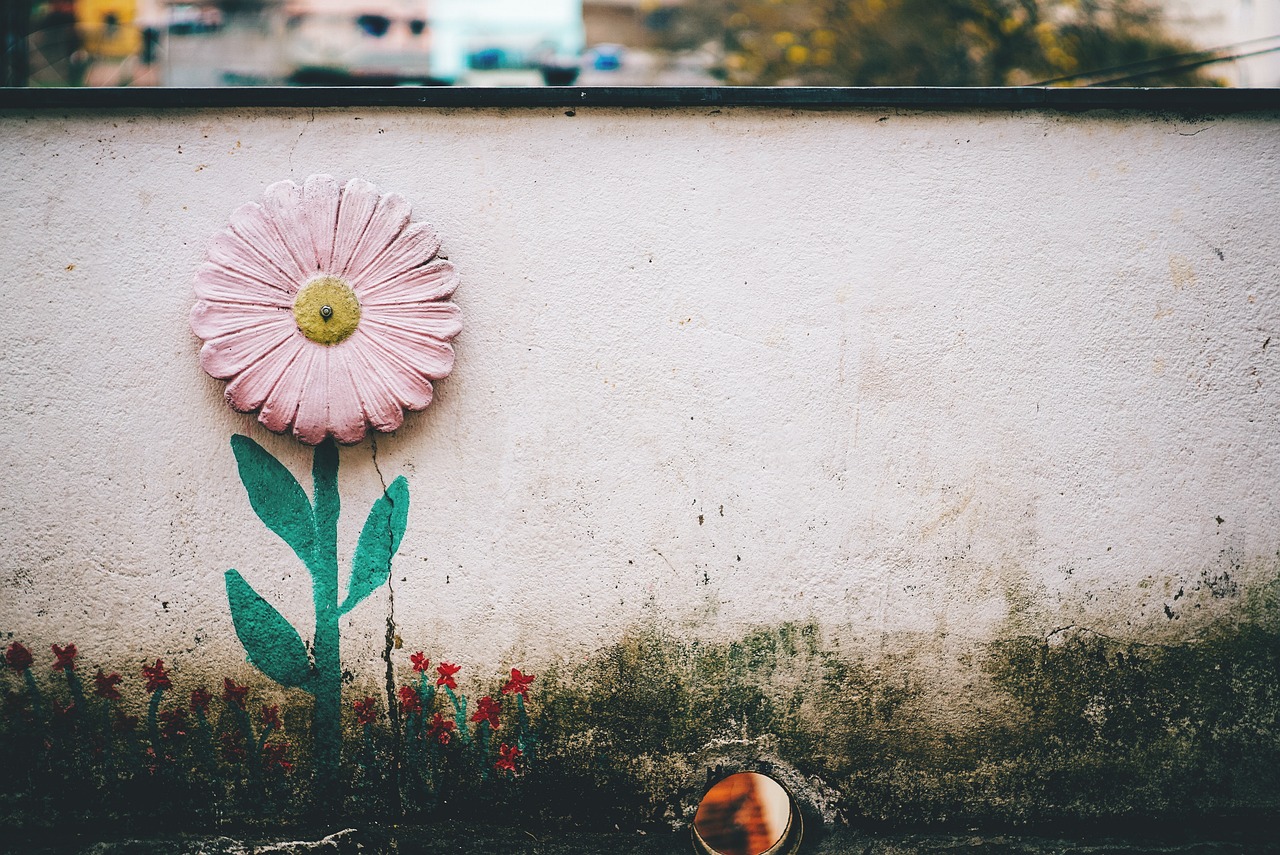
(326, 310)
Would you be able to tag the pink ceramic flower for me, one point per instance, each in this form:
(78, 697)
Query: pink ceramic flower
(326, 310)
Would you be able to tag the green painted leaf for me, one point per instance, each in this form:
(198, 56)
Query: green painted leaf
(271, 641)
(378, 543)
(276, 496)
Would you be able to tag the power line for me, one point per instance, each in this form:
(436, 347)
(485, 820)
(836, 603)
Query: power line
(1186, 67)
(1160, 60)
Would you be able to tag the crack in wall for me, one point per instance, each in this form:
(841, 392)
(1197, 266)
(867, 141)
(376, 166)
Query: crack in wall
(390, 644)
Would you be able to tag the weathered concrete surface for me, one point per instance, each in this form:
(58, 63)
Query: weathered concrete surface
(986, 402)
(471, 839)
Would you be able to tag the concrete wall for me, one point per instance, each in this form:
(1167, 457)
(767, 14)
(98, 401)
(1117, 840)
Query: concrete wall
(912, 387)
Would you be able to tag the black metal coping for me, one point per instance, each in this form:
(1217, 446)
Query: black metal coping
(1204, 101)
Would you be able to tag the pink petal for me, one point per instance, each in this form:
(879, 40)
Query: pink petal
(211, 319)
(311, 424)
(415, 246)
(426, 352)
(231, 252)
(359, 201)
(437, 320)
(281, 404)
(250, 389)
(346, 416)
(228, 355)
(282, 201)
(387, 222)
(400, 378)
(435, 281)
(235, 286)
(380, 406)
(320, 197)
(259, 229)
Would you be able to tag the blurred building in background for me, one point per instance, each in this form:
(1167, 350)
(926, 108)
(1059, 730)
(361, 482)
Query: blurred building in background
(640, 42)
(503, 35)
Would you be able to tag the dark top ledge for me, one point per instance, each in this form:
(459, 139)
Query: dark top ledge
(1193, 101)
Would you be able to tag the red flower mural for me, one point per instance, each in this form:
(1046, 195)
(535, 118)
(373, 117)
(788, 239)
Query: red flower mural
(488, 711)
(446, 670)
(173, 723)
(200, 699)
(420, 662)
(507, 757)
(273, 755)
(66, 657)
(104, 685)
(234, 694)
(233, 747)
(18, 657)
(409, 700)
(518, 684)
(366, 711)
(271, 717)
(441, 729)
(157, 677)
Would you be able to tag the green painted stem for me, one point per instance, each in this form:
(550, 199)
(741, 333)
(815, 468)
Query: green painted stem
(253, 757)
(525, 740)
(327, 686)
(209, 758)
(37, 702)
(459, 715)
(108, 762)
(77, 695)
(153, 727)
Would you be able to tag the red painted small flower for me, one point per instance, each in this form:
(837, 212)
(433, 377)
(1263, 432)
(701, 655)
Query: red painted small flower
(366, 711)
(59, 711)
(233, 693)
(233, 750)
(18, 657)
(489, 709)
(157, 677)
(104, 685)
(507, 757)
(518, 684)
(409, 700)
(66, 657)
(446, 670)
(271, 717)
(173, 723)
(273, 754)
(420, 662)
(441, 729)
(200, 699)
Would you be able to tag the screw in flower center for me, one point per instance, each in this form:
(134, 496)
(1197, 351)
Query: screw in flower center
(326, 310)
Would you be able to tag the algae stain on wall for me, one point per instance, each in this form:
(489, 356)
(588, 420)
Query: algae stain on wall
(1056, 728)
(1053, 728)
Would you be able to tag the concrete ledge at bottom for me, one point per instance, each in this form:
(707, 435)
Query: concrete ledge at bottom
(471, 838)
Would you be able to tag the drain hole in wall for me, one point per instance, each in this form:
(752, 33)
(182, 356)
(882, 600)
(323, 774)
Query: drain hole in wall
(747, 814)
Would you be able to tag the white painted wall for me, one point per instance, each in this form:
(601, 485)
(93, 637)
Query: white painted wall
(928, 379)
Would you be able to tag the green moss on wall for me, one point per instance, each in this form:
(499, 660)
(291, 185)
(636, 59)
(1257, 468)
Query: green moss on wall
(1041, 731)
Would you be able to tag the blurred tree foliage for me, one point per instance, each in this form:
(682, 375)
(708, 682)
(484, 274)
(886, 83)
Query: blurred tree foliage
(926, 42)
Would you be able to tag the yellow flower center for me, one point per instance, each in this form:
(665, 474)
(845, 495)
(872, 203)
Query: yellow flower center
(327, 310)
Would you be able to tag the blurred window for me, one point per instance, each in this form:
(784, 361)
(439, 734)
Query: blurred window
(374, 25)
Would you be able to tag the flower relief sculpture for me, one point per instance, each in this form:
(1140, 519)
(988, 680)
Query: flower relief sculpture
(326, 310)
